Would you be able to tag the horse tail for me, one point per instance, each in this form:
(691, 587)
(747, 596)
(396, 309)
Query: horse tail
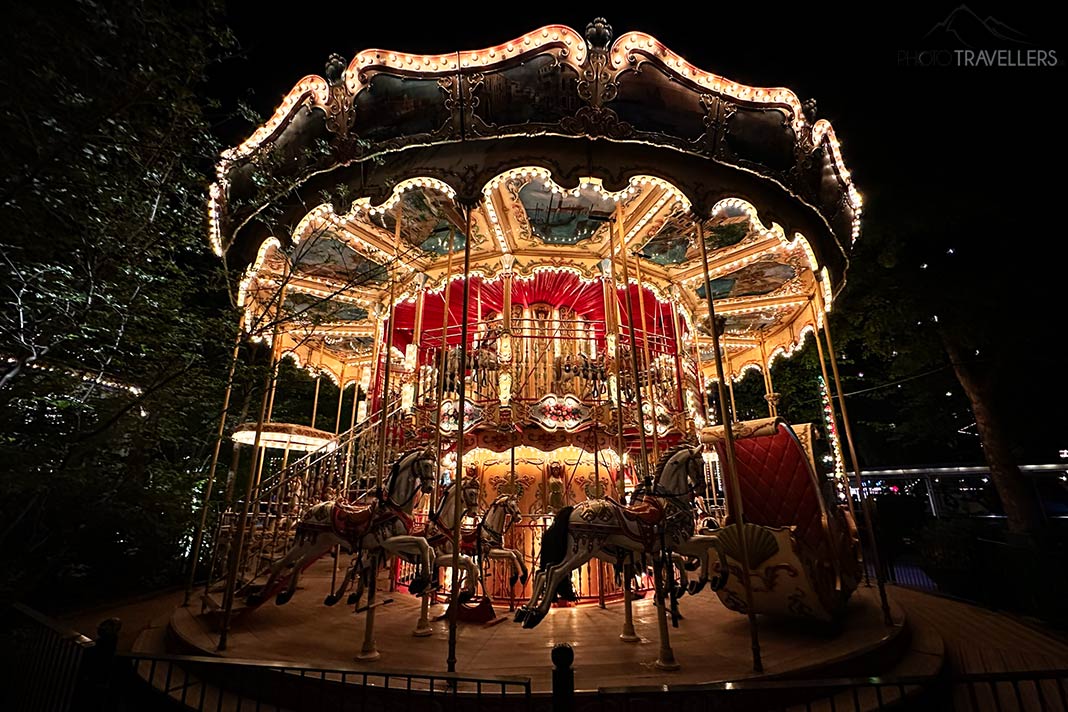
(554, 541)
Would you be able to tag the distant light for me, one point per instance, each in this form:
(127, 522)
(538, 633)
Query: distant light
(923, 266)
(949, 393)
(1064, 454)
(860, 375)
(949, 251)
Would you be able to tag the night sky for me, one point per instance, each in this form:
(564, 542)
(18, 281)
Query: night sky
(978, 135)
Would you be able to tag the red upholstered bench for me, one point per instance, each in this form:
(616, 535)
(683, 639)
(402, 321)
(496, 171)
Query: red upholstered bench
(802, 550)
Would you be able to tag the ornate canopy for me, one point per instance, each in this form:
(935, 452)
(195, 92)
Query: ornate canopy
(547, 139)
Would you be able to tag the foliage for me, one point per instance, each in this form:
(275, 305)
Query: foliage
(950, 551)
(925, 307)
(114, 341)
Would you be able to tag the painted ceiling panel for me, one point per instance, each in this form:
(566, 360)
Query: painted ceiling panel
(328, 258)
(564, 218)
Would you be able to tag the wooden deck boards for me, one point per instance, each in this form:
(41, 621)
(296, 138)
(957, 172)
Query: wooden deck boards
(979, 640)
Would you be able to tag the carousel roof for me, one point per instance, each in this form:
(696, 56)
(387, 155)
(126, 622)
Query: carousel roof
(549, 139)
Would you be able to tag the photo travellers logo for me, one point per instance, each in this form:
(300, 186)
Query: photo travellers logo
(966, 40)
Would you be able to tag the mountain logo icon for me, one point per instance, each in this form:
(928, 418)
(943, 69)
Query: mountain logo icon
(964, 27)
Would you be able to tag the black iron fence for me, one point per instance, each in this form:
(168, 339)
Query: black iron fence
(60, 670)
(139, 682)
(49, 665)
(989, 692)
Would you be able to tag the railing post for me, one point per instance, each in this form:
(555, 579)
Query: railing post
(563, 678)
(94, 688)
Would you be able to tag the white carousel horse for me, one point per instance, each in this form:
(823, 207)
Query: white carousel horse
(439, 531)
(438, 534)
(661, 520)
(565, 370)
(693, 554)
(385, 525)
(498, 519)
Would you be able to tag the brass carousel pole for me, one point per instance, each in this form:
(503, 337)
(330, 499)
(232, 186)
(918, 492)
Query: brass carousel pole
(454, 603)
(199, 537)
(417, 335)
(443, 359)
(231, 476)
(422, 628)
(645, 349)
(730, 386)
(769, 390)
(508, 263)
(834, 419)
(732, 471)
(239, 545)
(702, 394)
(676, 334)
(276, 357)
(352, 425)
(344, 484)
(666, 658)
(597, 488)
(420, 306)
(611, 323)
(318, 380)
(612, 320)
(515, 491)
(864, 502)
(340, 399)
(355, 396)
(369, 649)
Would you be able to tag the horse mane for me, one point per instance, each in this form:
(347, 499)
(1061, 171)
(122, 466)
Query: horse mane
(407, 453)
(394, 469)
(401, 458)
(666, 458)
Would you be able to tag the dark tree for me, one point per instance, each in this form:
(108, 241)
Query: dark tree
(957, 290)
(113, 320)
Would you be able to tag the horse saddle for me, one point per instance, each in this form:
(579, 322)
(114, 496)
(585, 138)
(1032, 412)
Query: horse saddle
(468, 539)
(354, 520)
(646, 511)
(435, 536)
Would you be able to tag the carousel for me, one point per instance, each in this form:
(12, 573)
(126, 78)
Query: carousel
(538, 268)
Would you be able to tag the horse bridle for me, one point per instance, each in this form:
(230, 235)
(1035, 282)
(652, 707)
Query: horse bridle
(415, 490)
(497, 535)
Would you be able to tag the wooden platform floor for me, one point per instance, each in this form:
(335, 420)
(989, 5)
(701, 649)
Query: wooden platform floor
(979, 640)
(711, 643)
